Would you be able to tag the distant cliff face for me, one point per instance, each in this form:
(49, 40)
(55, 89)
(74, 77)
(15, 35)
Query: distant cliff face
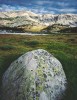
(31, 21)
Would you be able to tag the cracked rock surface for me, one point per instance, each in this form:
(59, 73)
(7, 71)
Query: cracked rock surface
(36, 75)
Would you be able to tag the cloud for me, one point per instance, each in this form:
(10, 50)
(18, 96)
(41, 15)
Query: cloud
(43, 2)
(41, 6)
(7, 8)
(12, 8)
(43, 11)
(62, 4)
(35, 9)
(68, 10)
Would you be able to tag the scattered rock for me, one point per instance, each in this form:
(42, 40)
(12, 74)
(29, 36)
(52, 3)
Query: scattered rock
(36, 75)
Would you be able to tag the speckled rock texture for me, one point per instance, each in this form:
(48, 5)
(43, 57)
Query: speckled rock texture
(36, 75)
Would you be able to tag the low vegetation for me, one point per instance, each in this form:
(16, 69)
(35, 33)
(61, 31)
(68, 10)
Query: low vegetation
(11, 29)
(6, 47)
(63, 47)
(59, 28)
(31, 27)
(31, 43)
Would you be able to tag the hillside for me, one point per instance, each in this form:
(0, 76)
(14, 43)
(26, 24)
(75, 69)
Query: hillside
(58, 28)
(31, 22)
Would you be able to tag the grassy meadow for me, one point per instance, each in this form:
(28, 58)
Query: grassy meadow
(63, 47)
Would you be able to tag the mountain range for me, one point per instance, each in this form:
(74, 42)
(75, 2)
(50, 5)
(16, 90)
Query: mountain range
(27, 21)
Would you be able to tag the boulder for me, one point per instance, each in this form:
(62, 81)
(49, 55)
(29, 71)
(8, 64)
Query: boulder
(36, 75)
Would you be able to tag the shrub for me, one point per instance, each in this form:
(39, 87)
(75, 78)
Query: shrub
(31, 43)
(57, 46)
(7, 47)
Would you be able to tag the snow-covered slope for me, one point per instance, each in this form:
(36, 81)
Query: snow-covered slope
(46, 19)
(29, 19)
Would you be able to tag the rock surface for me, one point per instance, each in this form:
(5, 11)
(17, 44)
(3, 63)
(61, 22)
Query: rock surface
(27, 21)
(21, 18)
(36, 75)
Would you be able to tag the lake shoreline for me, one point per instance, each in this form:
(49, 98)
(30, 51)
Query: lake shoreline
(23, 34)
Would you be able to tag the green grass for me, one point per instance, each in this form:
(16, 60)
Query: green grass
(63, 47)
(31, 43)
(7, 47)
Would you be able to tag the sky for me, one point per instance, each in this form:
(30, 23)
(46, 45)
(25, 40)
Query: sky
(40, 6)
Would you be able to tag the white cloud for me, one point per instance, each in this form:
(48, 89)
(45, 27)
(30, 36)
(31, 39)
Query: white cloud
(68, 10)
(39, 9)
(43, 2)
(54, 9)
(7, 8)
(42, 11)
(63, 4)
(11, 8)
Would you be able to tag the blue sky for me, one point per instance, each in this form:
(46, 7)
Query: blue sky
(40, 6)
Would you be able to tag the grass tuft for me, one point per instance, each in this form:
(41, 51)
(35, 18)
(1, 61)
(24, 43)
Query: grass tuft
(7, 47)
(31, 43)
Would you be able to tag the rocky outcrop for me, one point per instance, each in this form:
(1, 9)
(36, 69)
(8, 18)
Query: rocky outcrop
(31, 22)
(18, 18)
(36, 75)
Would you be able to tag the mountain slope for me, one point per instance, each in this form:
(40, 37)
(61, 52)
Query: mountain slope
(29, 21)
(58, 28)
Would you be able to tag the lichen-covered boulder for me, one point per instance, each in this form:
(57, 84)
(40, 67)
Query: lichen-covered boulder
(36, 75)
